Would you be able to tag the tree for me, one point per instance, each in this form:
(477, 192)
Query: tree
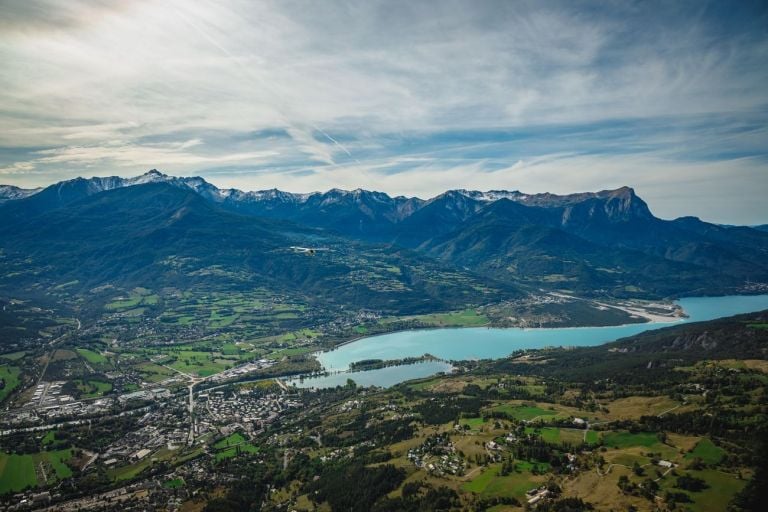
(624, 483)
(691, 483)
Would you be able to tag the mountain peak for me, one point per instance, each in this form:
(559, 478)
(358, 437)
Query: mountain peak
(623, 192)
(10, 192)
(150, 176)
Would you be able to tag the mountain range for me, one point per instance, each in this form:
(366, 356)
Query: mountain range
(101, 230)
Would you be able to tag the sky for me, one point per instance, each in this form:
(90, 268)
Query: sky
(409, 98)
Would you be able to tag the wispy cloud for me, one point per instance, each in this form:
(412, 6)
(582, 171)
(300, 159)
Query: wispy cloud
(410, 97)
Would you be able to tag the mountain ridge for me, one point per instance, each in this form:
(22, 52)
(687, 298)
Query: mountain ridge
(160, 235)
(11, 192)
(200, 185)
(605, 242)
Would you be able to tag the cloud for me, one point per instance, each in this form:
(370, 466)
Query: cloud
(369, 89)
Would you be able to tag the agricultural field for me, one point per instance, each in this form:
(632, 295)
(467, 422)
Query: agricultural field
(233, 445)
(465, 318)
(10, 378)
(721, 487)
(250, 314)
(424, 384)
(628, 450)
(621, 440)
(637, 406)
(472, 423)
(707, 451)
(202, 364)
(157, 363)
(154, 373)
(555, 435)
(92, 357)
(131, 470)
(592, 437)
(92, 388)
(132, 301)
(13, 356)
(290, 352)
(490, 483)
(524, 412)
(18, 472)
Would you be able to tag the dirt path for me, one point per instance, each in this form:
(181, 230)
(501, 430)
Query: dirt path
(670, 410)
(470, 474)
(610, 466)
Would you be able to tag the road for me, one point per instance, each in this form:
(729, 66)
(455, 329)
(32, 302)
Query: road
(193, 381)
(282, 385)
(191, 438)
(53, 343)
(49, 426)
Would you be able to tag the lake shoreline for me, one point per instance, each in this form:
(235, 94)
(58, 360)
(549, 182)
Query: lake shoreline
(491, 327)
(648, 318)
(472, 342)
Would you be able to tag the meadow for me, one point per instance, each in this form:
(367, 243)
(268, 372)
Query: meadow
(18, 472)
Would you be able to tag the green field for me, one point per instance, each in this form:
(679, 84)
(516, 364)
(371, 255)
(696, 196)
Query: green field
(230, 440)
(593, 437)
(176, 483)
(91, 388)
(9, 374)
(92, 357)
(17, 472)
(423, 384)
(201, 359)
(628, 440)
(123, 304)
(628, 459)
(722, 488)
(548, 434)
(137, 297)
(465, 318)
(236, 349)
(524, 412)
(707, 451)
(490, 484)
(289, 352)
(153, 372)
(13, 356)
(202, 364)
(233, 451)
(233, 445)
(132, 470)
(217, 319)
(58, 461)
(474, 423)
(299, 335)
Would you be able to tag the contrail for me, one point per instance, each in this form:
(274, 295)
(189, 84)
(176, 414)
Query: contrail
(261, 82)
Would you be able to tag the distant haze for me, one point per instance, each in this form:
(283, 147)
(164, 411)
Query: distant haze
(409, 98)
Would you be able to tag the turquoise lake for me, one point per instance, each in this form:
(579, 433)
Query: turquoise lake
(384, 377)
(492, 343)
